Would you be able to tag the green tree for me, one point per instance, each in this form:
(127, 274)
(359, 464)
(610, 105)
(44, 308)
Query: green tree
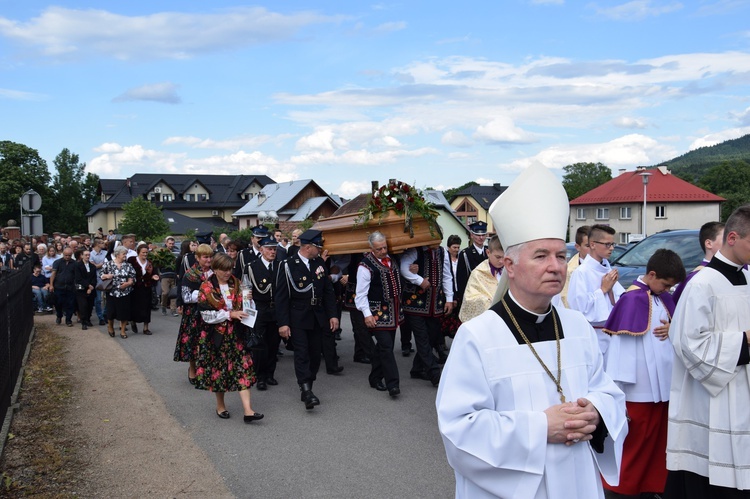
(451, 193)
(21, 169)
(730, 180)
(580, 178)
(71, 193)
(144, 219)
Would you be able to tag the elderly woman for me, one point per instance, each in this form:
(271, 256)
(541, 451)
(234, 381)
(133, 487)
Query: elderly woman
(145, 279)
(187, 340)
(224, 364)
(118, 296)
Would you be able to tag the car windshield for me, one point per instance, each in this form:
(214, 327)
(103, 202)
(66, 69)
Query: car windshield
(686, 245)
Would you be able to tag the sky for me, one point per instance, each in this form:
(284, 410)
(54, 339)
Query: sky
(434, 93)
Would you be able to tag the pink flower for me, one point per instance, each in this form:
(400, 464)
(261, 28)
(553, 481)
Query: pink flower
(215, 375)
(200, 371)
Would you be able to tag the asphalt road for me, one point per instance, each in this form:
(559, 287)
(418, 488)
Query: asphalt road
(358, 443)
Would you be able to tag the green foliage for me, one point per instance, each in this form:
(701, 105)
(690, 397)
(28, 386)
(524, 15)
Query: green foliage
(693, 165)
(730, 180)
(163, 259)
(21, 169)
(144, 219)
(71, 194)
(451, 193)
(580, 178)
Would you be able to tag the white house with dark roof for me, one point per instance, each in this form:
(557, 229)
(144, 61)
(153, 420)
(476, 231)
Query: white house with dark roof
(210, 199)
(292, 201)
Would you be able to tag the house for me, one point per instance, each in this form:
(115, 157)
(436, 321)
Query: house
(293, 201)
(671, 203)
(211, 199)
(473, 203)
(448, 221)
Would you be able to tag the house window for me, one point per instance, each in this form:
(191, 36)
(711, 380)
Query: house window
(661, 211)
(625, 213)
(202, 197)
(189, 197)
(471, 220)
(580, 213)
(624, 237)
(602, 213)
(167, 198)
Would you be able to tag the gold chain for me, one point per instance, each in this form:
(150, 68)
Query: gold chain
(557, 340)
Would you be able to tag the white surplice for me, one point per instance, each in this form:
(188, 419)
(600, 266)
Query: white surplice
(709, 418)
(490, 405)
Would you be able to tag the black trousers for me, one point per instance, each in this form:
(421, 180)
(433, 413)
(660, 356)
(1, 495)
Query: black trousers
(328, 346)
(425, 329)
(265, 356)
(405, 329)
(85, 304)
(687, 485)
(307, 347)
(65, 303)
(363, 344)
(383, 362)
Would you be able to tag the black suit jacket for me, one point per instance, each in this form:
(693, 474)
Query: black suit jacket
(468, 259)
(84, 279)
(304, 297)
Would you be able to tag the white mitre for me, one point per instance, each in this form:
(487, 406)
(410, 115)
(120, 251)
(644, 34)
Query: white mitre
(535, 206)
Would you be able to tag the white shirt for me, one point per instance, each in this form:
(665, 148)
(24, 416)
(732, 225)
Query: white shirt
(363, 287)
(410, 256)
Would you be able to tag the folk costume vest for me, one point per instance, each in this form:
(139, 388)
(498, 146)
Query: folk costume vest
(428, 302)
(384, 293)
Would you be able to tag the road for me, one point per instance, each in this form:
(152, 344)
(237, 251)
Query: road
(358, 443)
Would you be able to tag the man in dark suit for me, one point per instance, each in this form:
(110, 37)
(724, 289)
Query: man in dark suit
(252, 252)
(262, 274)
(470, 257)
(306, 310)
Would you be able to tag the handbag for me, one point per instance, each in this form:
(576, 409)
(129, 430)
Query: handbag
(105, 284)
(253, 340)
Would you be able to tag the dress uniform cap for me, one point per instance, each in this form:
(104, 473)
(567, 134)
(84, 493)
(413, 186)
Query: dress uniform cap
(268, 241)
(203, 237)
(260, 231)
(479, 228)
(312, 236)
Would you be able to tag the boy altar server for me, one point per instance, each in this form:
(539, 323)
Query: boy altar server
(524, 406)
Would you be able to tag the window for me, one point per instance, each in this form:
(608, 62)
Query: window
(580, 213)
(661, 211)
(189, 197)
(202, 197)
(625, 213)
(167, 198)
(602, 213)
(471, 220)
(624, 237)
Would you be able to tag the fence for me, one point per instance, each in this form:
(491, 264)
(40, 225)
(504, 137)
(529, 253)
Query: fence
(16, 323)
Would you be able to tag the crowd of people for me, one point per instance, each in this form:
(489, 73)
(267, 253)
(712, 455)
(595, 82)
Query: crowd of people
(559, 381)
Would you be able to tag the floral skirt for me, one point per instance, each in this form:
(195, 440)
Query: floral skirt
(227, 368)
(187, 340)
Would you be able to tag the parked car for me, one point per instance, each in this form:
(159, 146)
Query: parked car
(633, 262)
(618, 250)
(570, 250)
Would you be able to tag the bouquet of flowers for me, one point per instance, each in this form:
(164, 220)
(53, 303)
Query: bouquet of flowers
(405, 200)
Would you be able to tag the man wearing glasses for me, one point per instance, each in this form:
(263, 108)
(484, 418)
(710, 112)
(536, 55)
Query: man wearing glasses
(594, 289)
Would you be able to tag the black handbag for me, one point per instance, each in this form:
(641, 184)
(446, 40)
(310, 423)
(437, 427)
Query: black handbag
(252, 339)
(105, 284)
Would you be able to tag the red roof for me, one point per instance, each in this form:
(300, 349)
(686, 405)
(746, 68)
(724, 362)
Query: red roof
(662, 186)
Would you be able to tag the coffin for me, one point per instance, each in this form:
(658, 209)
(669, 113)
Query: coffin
(342, 235)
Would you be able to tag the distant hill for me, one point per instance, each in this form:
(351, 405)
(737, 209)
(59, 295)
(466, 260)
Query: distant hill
(693, 165)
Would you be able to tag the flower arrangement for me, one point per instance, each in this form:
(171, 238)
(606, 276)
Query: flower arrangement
(405, 200)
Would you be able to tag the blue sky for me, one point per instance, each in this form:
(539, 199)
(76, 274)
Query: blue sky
(433, 93)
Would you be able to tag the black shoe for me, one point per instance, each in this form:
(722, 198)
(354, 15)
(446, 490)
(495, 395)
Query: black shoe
(191, 380)
(256, 416)
(223, 414)
(363, 360)
(261, 385)
(441, 357)
(405, 352)
(337, 335)
(419, 375)
(69, 323)
(89, 324)
(134, 327)
(335, 370)
(435, 377)
(84, 326)
(102, 322)
(379, 386)
(272, 381)
(393, 392)
(58, 320)
(307, 396)
(163, 310)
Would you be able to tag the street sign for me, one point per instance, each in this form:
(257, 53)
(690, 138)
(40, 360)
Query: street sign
(31, 201)
(32, 224)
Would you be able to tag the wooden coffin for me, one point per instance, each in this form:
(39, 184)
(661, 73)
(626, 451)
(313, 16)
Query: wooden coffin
(342, 235)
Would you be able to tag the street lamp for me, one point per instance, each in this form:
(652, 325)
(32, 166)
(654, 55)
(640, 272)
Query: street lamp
(268, 217)
(644, 177)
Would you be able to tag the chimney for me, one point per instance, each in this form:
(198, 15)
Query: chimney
(375, 186)
(498, 186)
(261, 197)
(620, 171)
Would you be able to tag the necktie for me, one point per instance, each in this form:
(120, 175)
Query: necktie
(387, 262)
(270, 266)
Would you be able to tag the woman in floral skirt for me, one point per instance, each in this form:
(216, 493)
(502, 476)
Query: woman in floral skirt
(224, 364)
(186, 349)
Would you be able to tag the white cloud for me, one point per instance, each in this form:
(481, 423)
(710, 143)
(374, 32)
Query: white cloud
(628, 122)
(20, 95)
(743, 117)
(719, 137)
(456, 139)
(637, 10)
(320, 140)
(391, 26)
(62, 32)
(502, 130)
(165, 92)
(232, 144)
(624, 152)
(359, 157)
(484, 181)
(350, 189)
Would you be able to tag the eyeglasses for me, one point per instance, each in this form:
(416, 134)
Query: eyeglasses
(608, 245)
